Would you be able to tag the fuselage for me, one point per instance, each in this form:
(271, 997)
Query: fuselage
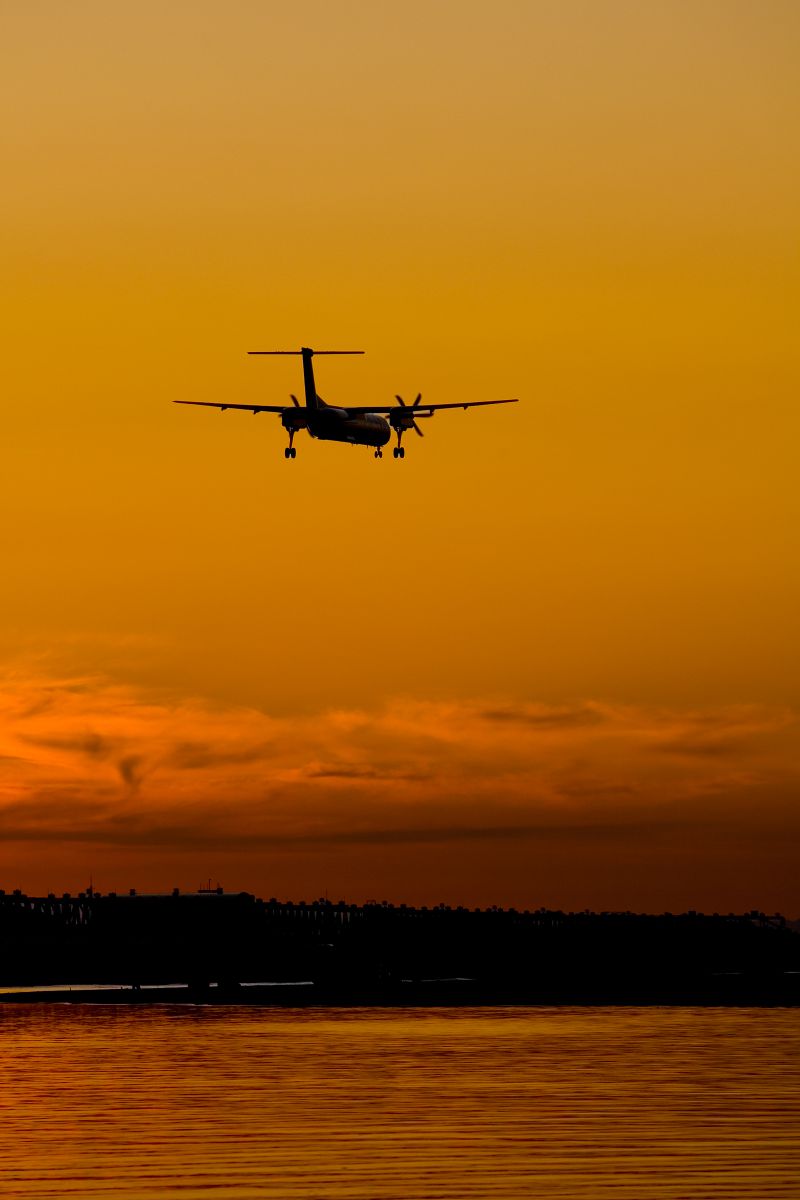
(336, 425)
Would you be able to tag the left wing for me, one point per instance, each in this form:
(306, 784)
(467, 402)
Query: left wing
(253, 408)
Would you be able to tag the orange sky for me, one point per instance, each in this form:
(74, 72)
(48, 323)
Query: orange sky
(550, 658)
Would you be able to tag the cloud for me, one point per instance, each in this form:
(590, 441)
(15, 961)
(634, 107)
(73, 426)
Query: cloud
(543, 718)
(90, 744)
(131, 769)
(88, 759)
(195, 756)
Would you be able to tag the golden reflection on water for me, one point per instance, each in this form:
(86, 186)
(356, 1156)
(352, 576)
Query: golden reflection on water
(176, 1103)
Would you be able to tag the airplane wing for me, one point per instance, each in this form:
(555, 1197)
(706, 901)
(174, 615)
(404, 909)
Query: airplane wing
(421, 409)
(253, 408)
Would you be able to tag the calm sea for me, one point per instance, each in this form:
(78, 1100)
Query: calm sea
(365, 1104)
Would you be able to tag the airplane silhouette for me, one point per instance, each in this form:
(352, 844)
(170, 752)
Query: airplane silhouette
(360, 426)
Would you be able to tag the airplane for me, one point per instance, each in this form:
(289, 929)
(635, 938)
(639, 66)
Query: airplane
(360, 426)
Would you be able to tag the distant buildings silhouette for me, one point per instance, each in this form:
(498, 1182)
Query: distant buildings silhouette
(212, 936)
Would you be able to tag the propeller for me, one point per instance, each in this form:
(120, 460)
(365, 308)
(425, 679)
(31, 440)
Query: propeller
(411, 423)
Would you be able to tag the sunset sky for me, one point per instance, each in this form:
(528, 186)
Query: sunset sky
(552, 657)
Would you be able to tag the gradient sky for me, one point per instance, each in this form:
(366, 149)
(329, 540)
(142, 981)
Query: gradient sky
(552, 657)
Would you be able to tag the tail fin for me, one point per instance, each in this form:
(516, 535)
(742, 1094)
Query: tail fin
(312, 399)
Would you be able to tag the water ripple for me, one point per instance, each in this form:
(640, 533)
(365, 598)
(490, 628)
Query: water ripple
(182, 1103)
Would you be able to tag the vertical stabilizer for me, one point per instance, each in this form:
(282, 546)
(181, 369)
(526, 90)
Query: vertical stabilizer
(313, 401)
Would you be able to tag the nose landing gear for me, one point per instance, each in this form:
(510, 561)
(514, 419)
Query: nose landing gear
(379, 454)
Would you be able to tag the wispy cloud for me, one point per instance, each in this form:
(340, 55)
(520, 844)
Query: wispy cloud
(87, 758)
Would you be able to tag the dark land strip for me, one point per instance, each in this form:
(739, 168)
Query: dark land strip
(214, 947)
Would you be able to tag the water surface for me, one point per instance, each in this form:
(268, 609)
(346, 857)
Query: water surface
(177, 1103)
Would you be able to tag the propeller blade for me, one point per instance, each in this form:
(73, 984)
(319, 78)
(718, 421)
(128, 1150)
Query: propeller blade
(416, 402)
(400, 401)
(295, 401)
(417, 429)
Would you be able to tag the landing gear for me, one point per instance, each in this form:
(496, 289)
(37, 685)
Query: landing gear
(290, 452)
(379, 454)
(399, 452)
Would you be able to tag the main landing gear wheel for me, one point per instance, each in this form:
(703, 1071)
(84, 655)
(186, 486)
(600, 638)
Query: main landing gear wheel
(290, 452)
(399, 452)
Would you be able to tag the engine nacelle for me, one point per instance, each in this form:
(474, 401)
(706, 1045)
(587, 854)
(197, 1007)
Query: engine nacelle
(402, 418)
(292, 419)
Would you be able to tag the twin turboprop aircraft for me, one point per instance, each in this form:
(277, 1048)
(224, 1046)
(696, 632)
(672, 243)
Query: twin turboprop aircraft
(359, 426)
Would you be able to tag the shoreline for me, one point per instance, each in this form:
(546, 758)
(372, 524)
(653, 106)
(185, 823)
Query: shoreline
(728, 991)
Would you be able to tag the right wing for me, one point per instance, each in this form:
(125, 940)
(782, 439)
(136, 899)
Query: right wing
(424, 410)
